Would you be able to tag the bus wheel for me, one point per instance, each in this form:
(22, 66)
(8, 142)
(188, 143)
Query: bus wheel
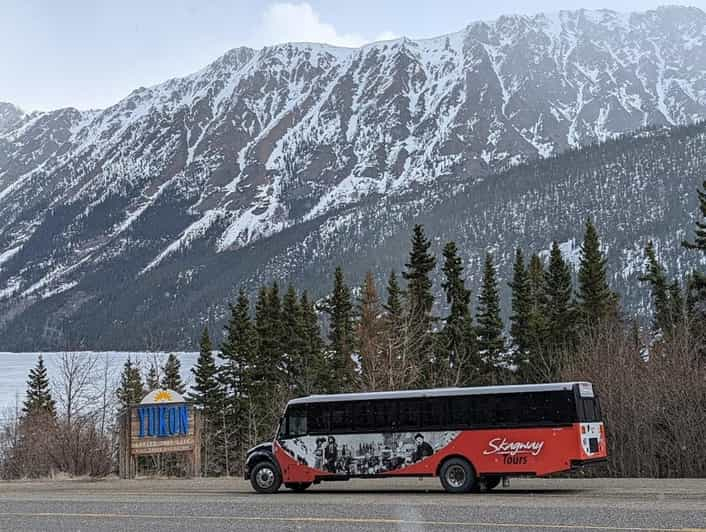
(457, 476)
(490, 483)
(265, 477)
(297, 486)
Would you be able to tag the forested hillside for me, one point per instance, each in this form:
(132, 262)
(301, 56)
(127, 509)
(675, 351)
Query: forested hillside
(636, 188)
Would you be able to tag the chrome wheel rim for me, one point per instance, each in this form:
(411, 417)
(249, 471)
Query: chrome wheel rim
(456, 476)
(265, 477)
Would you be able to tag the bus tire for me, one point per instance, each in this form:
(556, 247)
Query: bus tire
(490, 483)
(458, 476)
(297, 486)
(265, 477)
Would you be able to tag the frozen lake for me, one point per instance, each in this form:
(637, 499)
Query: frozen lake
(14, 369)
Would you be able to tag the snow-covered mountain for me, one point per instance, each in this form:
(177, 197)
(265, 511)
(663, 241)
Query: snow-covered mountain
(263, 141)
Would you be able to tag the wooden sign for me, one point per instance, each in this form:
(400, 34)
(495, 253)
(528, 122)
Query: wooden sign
(163, 422)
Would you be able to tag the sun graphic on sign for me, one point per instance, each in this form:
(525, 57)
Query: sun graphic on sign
(162, 395)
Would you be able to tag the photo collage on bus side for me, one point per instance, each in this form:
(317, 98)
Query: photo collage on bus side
(366, 454)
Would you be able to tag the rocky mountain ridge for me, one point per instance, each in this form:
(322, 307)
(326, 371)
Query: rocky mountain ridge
(271, 142)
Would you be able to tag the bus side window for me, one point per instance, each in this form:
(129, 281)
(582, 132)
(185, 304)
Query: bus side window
(341, 417)
(409, 413)
(459, 411)
(363, 416)
(318, 418)
(508, 409)
(296, 421)
(433, 412)
(384, 414)
(483, 411)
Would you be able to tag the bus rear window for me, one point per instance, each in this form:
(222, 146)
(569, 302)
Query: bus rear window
(589, 409)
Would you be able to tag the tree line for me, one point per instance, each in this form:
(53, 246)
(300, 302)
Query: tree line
(401, 338)
(565, 323)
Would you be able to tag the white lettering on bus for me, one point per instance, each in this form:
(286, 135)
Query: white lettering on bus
(502, 446)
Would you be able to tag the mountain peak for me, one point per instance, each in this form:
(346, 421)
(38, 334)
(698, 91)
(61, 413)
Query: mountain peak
(10, 114)
(262, 143)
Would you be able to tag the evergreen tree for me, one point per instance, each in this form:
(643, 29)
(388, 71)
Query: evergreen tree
(421, 264)
(171, 374)
(655, 276)
(152, 380)
(696, 287)
(237, 429)
(339, 308)
(558, 291)
(316, 371)
(457, 351)
(700, 231)
(268, 365)
(130, 391)
(521, 309)
(39, 399)
(206, 391)
(420, 301)
(265, 384)
(537, 327)
(596, 302)
(238, 348)
(490, 326)
(369, 337)
(293, 343)
(207, 395)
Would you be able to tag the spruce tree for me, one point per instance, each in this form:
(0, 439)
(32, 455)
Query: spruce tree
(265, 383)
(237, 349)
(656, 277)
(171, 374)
(558, 291)
(130, 391)
(490, 326)
(339, 308)
(596, 301)
(39, 399)
(419, 286)
(316, 372)
(456, 346)
(152, 380)
(521, 309)
(236, 431)
(696, 287)
(293, 343)
(206, 391)
(269, 359)
(420, 301)
(700, 231)
(537, 327)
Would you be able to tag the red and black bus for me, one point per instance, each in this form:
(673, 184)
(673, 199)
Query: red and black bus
(469, 437)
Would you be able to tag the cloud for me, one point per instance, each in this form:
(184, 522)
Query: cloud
(291, 22)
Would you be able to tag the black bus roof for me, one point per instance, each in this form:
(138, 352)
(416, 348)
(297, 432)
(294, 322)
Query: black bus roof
(587, 390)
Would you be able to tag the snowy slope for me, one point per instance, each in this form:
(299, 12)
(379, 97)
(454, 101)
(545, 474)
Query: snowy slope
(263, 141)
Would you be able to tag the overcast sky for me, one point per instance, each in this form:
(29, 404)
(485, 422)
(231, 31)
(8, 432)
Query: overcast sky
(91, 53)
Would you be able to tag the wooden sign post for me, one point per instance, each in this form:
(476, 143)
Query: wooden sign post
(163, 422)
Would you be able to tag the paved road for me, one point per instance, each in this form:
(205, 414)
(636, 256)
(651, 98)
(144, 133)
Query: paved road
(380, 505)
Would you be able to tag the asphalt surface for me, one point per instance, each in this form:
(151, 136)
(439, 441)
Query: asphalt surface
(409, 505)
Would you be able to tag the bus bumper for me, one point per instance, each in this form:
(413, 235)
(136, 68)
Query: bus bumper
(577, 464)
